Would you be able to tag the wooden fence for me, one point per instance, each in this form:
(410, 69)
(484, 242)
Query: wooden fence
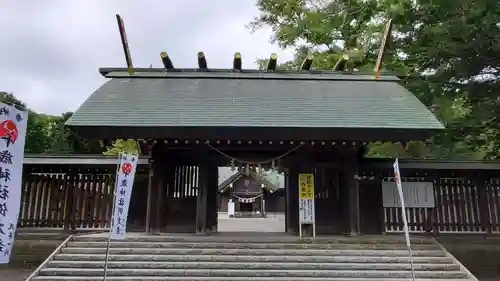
(85, 201)
(63, 200)
(460, 207)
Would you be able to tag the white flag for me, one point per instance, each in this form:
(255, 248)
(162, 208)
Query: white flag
(123, 191)
(13, 123)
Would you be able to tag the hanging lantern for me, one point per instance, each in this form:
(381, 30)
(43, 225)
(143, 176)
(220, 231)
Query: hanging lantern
(247, 170)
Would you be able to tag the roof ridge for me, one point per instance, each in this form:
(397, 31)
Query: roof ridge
(107, 71)
(250, 74)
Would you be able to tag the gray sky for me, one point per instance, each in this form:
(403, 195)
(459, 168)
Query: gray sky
(50, 50)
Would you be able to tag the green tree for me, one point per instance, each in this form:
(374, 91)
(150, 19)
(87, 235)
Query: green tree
(328, 29)
(120, 145)
(449, 49)
(66, 141)
(47, 134)
(37, 139)
(456, 44)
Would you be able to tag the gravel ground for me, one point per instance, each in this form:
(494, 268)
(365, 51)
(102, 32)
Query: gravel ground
(273, 223)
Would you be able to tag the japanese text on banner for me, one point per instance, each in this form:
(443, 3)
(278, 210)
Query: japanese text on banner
(13, 124)
(123, 191)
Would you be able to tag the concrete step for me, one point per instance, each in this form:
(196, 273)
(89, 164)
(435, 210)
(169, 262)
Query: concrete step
(233, 252)
(41, 236)
(188, 278)
(244, 265)
(253, 273)
(233, 238)
(220, 245)
(250, 259)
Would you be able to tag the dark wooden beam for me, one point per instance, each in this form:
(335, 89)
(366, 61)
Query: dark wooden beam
(352, 186)
(383, 48)
(167, 62)
(307, 63)
(292, 199)
(272, 62)
(149, 204)
(126, 49)
(202, 196)
(212, 197)
(237, 61)
(202, 61)
(282, 145)
(341, 63)
(431, 165)
(249, 133)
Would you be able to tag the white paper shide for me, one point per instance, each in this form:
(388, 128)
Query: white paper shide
(123, 192)
(13, 124)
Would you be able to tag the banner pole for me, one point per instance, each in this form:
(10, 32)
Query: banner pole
(399, 185)
(108, 246)
(411, 263)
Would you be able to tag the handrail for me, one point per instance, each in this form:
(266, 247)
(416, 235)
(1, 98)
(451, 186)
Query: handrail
(49, 258)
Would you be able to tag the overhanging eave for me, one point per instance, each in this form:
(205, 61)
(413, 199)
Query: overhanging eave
(255, 133)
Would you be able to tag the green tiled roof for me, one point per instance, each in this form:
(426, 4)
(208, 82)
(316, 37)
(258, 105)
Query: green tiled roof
(255, 99)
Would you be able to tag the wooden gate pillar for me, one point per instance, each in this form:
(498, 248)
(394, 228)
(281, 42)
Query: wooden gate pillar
(152, 202)
(212, 196)
(352, 187)
(300, 163)
(168, 191)
(292, 200)
(286, 179)
(205, 168)
(160, 185)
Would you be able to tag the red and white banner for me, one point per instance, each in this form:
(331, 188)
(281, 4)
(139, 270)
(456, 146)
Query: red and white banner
(13, 124)
(123, 191)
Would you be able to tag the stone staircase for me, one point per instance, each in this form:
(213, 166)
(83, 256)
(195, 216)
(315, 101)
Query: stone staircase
(217, 258)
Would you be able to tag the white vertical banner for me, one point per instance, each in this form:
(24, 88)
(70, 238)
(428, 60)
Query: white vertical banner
(13, 123)
(123, 191)
(397, 177)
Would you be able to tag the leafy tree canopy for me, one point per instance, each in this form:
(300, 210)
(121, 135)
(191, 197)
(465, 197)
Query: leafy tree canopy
(450, 50)
(47, 133)
(120, 145)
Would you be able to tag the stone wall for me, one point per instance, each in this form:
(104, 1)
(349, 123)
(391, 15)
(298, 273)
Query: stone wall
(480, 254)
(30, 253)
(31, 249)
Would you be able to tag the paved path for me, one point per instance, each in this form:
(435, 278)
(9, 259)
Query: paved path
(273, 223)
